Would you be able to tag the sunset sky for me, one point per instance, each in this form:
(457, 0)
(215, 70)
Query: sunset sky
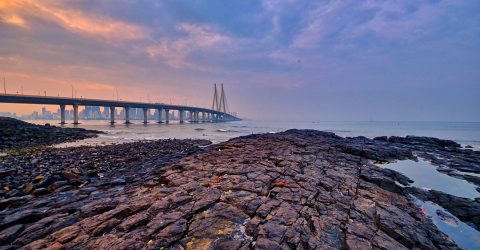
(292, 59)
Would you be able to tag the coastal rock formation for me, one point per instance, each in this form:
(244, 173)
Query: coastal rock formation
(19, 134)
(39, 172)
(299, 189)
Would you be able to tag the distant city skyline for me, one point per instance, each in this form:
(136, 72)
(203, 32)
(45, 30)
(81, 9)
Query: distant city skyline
(88, 113)
(330, 60)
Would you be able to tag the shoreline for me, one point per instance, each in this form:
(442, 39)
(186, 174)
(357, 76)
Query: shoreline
(293, 189)
(16, 134)
(465, 134)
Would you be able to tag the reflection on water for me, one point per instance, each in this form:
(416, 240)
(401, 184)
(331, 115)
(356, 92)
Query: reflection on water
(464, 235)
(426, 176)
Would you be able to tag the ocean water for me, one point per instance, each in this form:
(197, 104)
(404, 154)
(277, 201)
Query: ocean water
(465, 133)
(425, 175)
(464, 235)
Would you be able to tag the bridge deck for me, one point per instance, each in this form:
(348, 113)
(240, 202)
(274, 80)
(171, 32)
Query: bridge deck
(51, 100)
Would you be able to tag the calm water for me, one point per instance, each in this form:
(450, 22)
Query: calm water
(466, 133)
(464, 235)
(425, 175)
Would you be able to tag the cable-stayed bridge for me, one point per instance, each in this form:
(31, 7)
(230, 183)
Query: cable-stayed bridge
(218, 113)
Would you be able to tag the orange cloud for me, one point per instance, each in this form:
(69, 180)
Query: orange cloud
(94, 86)
(71, 19)
(14, 20)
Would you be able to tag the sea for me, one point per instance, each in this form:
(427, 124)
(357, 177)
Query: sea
(465, 133)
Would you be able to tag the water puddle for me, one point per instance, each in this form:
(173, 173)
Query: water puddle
(465, 236)
(426, 176)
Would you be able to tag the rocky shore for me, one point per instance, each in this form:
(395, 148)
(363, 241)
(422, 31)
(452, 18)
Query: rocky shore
(299, 189)
(19, 134)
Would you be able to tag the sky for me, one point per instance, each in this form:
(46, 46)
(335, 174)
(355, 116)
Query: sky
(328, 60)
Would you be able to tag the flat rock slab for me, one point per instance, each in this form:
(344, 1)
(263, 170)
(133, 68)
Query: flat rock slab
(299, 189)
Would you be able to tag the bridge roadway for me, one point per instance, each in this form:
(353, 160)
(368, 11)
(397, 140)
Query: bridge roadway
(207, 114)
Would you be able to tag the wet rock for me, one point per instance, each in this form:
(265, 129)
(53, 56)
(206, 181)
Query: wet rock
(13, 193)
(97, 207)
(299, 189)
(66, 234)
(402, 179)
(87, 190)
(44, 227)
(28, 188)
(447, 218)
(72, 174)
(426, 141)
(22, 216)
(58, 184)
(9, 234)
(381, 138)
(133, 221)
(169, 234)
(114, 182)
(44, 182)
(40, 191)
(13, 201)
(19, 134)
(7, 172)
(105, 227)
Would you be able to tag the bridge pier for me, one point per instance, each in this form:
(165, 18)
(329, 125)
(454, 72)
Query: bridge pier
(145, 115)
(203, 116)
(196, 116)
(167, 116)
(159, 115)
(62, 113)
(127, 115)
(190, 116)
(112, 115)
(75, 114)
(181, 114)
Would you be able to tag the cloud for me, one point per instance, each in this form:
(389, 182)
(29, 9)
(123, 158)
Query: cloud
(284, 48)
(194, 38)
(14, 20)
(317, 24)
(399, 19)
(340, 24)
(94, 86)
(74, 20)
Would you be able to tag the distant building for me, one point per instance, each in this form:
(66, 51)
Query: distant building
(8, 114)
(46, 115)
